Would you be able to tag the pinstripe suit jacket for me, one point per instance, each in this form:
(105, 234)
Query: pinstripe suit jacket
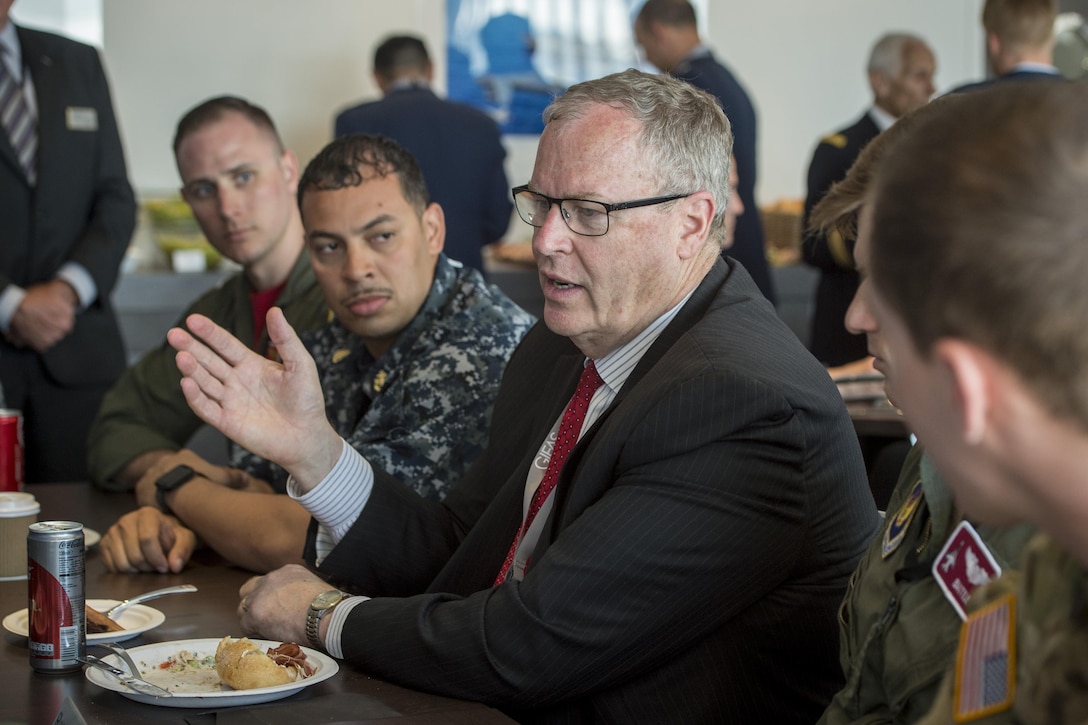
(701, 541)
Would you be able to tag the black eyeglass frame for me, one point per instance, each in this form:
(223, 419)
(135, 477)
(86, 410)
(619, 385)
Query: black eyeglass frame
(608, 208)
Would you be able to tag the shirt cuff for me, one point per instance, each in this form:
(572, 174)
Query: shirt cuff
(86, 290)
(10, 300)
(338, 499)
(337, 619)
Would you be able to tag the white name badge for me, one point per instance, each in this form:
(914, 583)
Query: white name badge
(81, 118)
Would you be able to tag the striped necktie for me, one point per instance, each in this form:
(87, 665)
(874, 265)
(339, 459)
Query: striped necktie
(18, 123)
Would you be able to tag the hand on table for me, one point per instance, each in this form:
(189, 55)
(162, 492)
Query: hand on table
(274, 606)
(147, 540)
(275, 410)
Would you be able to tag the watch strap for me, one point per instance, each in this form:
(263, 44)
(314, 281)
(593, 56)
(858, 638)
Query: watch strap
(160, 500)
(172, 480)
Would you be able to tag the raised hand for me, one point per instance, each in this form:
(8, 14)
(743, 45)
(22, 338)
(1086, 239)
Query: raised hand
(275, 410)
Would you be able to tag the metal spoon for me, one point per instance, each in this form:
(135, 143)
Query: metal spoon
(116, 609)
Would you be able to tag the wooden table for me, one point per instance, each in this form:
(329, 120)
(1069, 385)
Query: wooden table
(30, 697)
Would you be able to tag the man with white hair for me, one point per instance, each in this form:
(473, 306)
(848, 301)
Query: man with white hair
(901, 68)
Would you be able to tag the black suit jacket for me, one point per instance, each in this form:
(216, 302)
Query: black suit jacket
(830, 341)
(690, 571)
(461, 154)
(749, 248)
(82, 209)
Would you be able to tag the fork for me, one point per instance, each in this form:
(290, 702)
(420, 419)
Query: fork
(132, 681)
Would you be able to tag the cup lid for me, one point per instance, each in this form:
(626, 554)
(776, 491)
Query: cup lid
(18, 503)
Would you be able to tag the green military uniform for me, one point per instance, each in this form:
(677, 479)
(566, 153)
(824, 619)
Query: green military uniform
(1050, 657)
(898, 632)
(146, 410)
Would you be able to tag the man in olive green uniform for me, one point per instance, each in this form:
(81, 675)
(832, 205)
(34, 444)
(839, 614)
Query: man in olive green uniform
(240, 182)
(898, 629)
(988, 360)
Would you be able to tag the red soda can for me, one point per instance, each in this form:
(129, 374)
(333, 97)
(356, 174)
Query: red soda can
(57, 630)
(11, 450)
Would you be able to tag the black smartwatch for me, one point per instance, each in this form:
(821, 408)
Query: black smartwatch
(172, 480)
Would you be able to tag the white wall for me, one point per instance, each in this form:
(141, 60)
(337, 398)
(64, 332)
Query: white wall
(802, 61)
(300, 60)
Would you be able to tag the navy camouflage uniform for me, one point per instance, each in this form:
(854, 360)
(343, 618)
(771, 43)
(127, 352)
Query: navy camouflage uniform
(421, 411)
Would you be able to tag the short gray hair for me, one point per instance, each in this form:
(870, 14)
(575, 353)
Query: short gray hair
(887, 54)
(685, 135)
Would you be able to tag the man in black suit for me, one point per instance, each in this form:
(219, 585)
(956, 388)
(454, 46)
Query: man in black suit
(669, 36)
(67, 213)
(1019, 41)
(458, 147)
(685, 561)
(901, 70)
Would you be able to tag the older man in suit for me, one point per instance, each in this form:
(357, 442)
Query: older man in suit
(672, 498)
(66, 216)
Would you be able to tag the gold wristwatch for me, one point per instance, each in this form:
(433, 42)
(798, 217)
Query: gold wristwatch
(321, 605)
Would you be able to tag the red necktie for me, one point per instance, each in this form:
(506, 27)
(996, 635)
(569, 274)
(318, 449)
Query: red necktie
(565, 438)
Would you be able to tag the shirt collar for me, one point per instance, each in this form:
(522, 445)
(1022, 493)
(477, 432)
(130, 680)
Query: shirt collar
(881, 118)
(616, 366)
(408, 84)
(1030, 67)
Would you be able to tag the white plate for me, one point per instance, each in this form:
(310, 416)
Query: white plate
(149, 656)
(136, 620)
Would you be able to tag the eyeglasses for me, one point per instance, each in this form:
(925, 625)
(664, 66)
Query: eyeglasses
(582, 216)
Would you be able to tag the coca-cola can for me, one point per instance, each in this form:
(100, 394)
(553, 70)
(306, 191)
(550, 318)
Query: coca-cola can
(11, 450)
(57, 629)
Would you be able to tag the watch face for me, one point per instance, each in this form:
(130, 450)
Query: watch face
(327, 599)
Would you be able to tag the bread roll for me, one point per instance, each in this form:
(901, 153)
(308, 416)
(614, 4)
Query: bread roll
(244, 666)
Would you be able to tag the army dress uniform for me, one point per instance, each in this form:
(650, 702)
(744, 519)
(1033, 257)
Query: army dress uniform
(1023, 655)
(830, 342)
(898, 632)
(421, 411)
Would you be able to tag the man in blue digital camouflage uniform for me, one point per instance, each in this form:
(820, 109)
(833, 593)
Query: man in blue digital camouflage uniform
(409, 366)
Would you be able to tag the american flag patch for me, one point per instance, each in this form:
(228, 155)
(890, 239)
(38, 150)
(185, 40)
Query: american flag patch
(986, 661)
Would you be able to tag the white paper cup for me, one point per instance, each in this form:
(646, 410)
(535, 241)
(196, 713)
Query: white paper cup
(18, 510)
